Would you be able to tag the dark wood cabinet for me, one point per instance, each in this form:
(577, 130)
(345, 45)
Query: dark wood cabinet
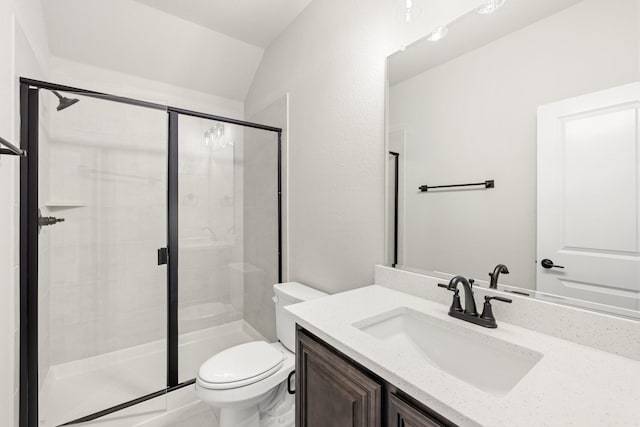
(403, 414)
(334, 391)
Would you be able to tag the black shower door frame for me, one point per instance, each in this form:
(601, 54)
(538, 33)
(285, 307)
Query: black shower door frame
(29, 125)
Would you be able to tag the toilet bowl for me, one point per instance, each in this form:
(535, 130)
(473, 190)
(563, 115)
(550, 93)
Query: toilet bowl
(249, 380)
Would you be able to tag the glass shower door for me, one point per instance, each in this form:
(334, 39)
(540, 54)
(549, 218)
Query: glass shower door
(102, 295)
(228, 243)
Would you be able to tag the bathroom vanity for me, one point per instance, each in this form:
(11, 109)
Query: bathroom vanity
(333, 390)
(375, 356)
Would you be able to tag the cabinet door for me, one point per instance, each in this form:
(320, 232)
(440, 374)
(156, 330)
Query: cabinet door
(332, 392)
(401, 414)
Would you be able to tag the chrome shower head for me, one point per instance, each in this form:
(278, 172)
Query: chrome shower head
(64, 102)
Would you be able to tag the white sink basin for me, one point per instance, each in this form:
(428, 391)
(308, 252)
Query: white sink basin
(490, 364)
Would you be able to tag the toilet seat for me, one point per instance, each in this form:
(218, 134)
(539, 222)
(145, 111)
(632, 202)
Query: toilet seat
(248, 393)
(240, 366)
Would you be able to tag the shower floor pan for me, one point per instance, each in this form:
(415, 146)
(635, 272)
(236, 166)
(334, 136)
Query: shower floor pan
(83, 387)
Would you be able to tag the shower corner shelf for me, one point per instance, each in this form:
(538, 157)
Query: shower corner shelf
(62, 204)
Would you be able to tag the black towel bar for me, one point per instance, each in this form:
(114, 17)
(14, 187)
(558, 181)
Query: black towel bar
(486, 184)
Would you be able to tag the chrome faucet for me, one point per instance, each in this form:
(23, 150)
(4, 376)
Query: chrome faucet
(470, 313)
(500, 268)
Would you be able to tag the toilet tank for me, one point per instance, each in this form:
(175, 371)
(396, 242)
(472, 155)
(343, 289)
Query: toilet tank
(286, 294)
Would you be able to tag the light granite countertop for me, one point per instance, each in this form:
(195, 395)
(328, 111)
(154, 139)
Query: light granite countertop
(572, 385)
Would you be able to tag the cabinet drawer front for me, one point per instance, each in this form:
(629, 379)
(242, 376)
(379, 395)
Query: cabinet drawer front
(402, 414)
(332, 392)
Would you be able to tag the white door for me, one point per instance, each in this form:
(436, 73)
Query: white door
(588, 197)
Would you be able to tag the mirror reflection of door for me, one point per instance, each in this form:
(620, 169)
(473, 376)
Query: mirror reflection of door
(588, 197)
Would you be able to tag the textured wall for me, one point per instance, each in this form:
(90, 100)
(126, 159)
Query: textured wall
(8, 254)
(332, 62)
(210, 224)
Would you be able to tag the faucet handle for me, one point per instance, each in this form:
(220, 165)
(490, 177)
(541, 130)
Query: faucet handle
(488, 298)
(487, 311)
(471, 282)
(456, 305)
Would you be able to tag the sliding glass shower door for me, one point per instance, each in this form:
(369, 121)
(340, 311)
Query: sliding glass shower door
(102, 295)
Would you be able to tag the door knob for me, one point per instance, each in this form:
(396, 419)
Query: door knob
(547, 263)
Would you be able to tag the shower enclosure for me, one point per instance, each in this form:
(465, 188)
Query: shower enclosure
(150, 238)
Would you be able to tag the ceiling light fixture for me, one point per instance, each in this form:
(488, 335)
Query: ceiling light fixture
(490, 6)
(408, 10)
(438, 34)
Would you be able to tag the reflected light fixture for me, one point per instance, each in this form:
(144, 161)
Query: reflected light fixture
(214, 133)
(438, 34)
(490, 6)
(214, 138)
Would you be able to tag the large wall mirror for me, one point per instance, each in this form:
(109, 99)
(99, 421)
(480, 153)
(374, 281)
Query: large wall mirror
(536, 103)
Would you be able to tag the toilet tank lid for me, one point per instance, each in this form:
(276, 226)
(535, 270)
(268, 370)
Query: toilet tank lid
(297, 291)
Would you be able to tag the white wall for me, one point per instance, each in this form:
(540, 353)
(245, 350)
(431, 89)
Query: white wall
(17, 56)
(8, 267)
(104, 80)
(332, 62)
(8, 255)
(137, 39)
(474, 118)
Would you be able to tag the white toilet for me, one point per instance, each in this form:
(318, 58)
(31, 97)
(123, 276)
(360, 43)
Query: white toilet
(244, 380)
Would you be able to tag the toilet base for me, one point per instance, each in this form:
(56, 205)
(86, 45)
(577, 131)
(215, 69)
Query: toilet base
(240, 417)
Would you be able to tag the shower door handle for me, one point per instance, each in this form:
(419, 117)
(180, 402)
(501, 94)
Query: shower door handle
(163, 256)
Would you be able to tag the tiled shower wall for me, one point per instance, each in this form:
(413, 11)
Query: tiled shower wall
(210, 224)
(108, 181)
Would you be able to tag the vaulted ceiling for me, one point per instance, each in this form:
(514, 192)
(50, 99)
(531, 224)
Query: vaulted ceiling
(212, 46)
(257, 22)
